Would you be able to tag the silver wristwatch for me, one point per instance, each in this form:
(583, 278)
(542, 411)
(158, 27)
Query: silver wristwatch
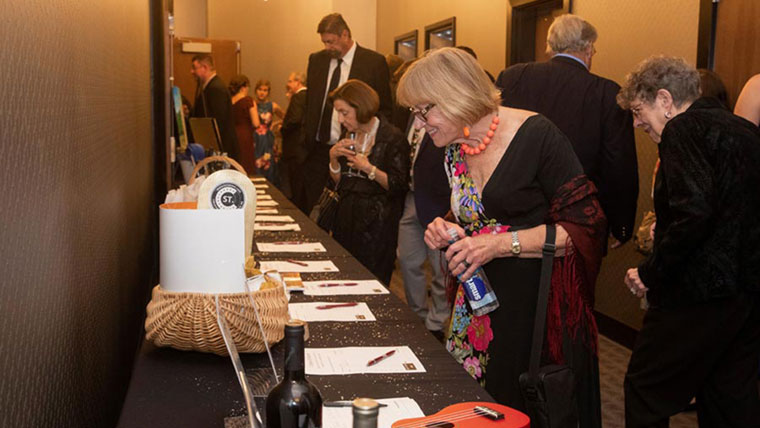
(371, 174)
(515, 244)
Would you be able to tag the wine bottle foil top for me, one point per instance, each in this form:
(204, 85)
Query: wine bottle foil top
(365, 405)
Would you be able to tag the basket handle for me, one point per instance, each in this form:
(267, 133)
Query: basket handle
(210, 159)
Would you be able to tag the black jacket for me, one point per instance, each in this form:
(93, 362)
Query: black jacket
(582, 105)
(707, 200)
(431, 186)
(368, 66)
(219, 105)
(293, 142)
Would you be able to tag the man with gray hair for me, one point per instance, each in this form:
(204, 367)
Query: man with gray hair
(583, 106)
(293, 144)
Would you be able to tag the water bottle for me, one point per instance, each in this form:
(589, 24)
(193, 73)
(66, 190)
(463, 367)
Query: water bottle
(478, 290)
(365, 411)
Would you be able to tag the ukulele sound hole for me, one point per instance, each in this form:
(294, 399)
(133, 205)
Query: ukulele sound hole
(440, 425)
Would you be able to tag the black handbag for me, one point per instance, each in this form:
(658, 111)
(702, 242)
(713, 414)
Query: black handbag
(549, 391)
(326, 210)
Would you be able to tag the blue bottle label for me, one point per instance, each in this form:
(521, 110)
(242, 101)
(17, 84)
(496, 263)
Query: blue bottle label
(475, 288)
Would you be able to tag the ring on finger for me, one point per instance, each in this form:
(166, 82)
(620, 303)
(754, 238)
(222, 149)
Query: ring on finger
(633, 290)
(466, 263)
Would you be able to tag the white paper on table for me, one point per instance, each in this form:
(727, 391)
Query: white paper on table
(371, 286)
(263, 197)
(260, 185)
(266, 210)
(311, 266)
(398, 409)
(259, 179)
(353, 360)
(275, 218)
(266, 203)
(309, 312)
(277, 227)
(260, 192)
(304, 247)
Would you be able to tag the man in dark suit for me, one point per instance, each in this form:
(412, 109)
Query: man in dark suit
(428, 198)
(342, 59)
(583, 106)
(213, 100)
(293, 144)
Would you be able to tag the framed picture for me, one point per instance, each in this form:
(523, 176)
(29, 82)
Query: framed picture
(441, 34)
(405, 45)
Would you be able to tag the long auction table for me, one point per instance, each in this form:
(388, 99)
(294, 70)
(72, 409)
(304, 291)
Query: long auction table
(171, 388)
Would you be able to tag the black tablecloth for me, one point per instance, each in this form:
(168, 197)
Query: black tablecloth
(171, 388)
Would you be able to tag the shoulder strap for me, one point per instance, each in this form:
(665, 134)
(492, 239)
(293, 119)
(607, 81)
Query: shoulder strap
(543, 299)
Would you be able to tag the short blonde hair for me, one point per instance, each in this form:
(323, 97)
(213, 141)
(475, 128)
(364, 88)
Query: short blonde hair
(569, 33)
(360, 96)
(660, 72)
(454, 81)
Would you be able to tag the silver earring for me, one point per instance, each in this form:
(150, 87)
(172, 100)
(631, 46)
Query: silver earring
(667, 115)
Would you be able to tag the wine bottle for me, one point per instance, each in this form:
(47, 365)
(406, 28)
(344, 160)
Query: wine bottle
(477, 288)
(365, 412)
(294, 402)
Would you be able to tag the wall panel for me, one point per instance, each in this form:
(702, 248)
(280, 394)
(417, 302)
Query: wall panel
(77, 209)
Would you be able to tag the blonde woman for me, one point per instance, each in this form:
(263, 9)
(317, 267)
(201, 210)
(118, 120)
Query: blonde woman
(511, 172)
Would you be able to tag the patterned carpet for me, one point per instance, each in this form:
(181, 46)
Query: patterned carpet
(613, 360)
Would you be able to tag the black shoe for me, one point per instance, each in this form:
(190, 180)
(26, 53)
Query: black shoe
(438, 334)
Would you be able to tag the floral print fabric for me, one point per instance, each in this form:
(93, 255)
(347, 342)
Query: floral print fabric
(469, 335)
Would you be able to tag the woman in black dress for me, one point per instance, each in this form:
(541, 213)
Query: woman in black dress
(371, 172)
(511, 172)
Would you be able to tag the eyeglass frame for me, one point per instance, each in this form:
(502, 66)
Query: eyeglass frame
(422, 113)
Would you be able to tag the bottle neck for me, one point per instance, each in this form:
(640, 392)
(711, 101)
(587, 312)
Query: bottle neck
(294, 357)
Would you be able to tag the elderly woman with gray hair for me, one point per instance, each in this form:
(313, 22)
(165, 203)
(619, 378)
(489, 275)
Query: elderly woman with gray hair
(701, 334)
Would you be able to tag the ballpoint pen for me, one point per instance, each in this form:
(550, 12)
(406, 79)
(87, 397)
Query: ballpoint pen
(269, 223)
(374, 361)
(345, 403)
(296, 262)
(288, 243)
(337, 305)
(338, 284)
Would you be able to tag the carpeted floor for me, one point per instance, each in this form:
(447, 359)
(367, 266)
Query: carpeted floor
(613, 360)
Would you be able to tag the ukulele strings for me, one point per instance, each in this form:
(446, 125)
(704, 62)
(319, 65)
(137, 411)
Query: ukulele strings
(451, 417)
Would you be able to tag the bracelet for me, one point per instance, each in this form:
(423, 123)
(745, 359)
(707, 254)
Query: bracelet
(334, 171)
(371, 174)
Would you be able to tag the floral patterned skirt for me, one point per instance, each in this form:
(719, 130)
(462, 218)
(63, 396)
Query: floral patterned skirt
(469, 338)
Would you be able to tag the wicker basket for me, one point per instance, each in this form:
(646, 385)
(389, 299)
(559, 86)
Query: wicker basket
(187, 321)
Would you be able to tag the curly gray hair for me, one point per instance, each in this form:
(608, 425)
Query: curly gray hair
(660, 72)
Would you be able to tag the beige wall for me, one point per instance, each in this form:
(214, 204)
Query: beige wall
(190, 18)
(628, 33)
(277, 37)
(481, 25)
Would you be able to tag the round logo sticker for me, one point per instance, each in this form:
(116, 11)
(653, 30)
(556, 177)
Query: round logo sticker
(227, 196)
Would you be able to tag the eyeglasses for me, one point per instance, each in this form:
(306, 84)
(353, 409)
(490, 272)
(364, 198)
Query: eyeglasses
(637, 110)
(421, 113)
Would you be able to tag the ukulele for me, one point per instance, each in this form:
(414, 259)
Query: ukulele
(469, 415)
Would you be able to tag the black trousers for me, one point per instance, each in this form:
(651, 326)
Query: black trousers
(708, 351)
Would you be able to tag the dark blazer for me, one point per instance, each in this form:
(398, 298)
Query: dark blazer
(582, 105)
(293, 142)
(707, 199)
(219, 104)
(367, 66)
(432, 194)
